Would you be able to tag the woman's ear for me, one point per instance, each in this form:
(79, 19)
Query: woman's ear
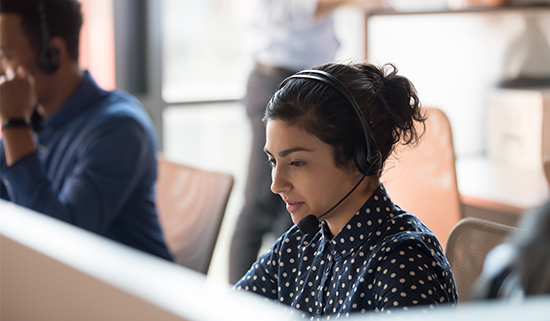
(353, 170)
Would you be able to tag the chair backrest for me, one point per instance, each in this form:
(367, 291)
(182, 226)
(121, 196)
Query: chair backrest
(421, 178)
(469, 243)
(191, 204)
(546, 167)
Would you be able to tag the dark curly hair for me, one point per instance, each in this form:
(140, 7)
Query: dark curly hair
(63, 18)
(388, 101)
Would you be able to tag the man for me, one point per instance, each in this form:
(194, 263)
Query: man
(93, 162)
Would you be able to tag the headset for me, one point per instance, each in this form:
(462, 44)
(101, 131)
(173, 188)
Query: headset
(48, 58)
(367, 156)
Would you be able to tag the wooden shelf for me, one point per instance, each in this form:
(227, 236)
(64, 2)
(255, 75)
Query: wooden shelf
(470, 10)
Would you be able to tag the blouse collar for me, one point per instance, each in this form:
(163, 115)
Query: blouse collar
(362, 226)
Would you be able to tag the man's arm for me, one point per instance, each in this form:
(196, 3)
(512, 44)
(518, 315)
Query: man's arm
(17, 100)
(107, 159)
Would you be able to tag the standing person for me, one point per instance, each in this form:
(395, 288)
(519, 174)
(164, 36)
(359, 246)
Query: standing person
(285, 36)
(329, 132)
(93, 163)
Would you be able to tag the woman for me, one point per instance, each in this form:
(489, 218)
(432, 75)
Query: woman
(327, 152)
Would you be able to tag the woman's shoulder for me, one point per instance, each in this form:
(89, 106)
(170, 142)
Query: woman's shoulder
(396, 226)
(407, 240)
(405, 227)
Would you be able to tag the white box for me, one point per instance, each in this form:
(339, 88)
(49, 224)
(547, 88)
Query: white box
(518, 127)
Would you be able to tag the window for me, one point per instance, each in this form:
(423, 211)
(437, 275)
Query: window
(202, 52)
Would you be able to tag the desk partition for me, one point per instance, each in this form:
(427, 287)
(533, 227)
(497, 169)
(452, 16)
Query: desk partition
(51, 270)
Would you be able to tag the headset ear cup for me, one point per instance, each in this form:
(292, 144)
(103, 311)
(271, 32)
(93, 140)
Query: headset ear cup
(48, 60)
(361, 159)
(376, 163)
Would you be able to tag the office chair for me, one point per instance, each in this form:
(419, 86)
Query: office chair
(421, 178)
(467, 247)
(191, 204)
(546, 167)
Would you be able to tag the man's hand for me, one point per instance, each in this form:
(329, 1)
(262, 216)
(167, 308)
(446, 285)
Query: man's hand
(17, 94)
(17, 101)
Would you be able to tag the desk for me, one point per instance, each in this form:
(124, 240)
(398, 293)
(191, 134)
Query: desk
(483, 183)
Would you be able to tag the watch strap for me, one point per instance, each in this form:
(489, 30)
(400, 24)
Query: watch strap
(16, 122)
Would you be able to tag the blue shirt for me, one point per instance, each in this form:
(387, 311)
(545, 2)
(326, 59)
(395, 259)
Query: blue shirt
(95, 167)
(383, 259)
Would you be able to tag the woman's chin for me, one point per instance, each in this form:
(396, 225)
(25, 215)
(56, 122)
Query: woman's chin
(297, 217)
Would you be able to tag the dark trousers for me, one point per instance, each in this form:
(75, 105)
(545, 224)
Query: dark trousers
(263, 211)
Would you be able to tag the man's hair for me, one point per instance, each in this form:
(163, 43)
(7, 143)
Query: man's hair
(63, 18)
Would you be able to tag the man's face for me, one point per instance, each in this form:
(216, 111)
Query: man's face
(16, 50)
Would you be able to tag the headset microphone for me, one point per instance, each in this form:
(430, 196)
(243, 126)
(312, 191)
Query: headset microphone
(310, 223)
(367, 157)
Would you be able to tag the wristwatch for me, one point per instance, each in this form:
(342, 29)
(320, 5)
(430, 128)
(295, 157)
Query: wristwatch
(16, 122)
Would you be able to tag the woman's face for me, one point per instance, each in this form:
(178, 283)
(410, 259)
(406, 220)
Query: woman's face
(304, 173)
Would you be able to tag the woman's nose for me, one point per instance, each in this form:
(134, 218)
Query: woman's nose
(279, 181)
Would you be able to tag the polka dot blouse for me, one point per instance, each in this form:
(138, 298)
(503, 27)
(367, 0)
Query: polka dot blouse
(383, 259)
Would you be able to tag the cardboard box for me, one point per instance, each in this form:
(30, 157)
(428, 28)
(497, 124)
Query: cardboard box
(518, 127)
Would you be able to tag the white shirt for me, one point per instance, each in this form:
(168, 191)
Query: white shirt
(285, 33)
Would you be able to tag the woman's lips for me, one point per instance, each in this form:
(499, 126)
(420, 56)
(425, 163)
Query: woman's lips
(293, 206)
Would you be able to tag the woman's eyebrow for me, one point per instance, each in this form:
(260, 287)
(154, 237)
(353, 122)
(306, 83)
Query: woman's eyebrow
(289, 151)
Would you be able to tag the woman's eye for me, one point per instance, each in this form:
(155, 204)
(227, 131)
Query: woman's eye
(270, 162)
(296, 163)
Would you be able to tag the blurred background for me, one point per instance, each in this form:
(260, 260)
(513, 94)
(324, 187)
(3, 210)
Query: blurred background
(485, 63)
